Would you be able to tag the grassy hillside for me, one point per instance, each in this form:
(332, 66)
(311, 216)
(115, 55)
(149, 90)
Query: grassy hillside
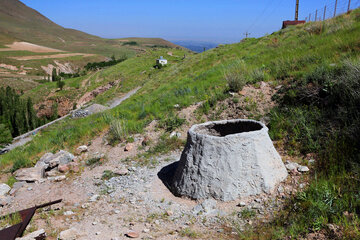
(315, 64)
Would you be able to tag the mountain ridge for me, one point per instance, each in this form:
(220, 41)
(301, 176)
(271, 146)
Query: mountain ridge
(20, 22)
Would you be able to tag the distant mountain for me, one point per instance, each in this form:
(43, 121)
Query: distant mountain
(196, 46)
(22, 23)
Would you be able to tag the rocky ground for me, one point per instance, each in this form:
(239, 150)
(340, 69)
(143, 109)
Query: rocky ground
(114, 192)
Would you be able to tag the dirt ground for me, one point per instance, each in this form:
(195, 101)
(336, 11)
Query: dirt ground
(25, 46)
(62, 55)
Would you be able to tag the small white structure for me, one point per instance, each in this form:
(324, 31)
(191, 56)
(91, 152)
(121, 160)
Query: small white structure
(161, 61)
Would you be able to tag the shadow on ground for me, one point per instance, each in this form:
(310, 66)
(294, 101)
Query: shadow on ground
(167, 173)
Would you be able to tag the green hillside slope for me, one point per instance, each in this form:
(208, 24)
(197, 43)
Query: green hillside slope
(316, 66)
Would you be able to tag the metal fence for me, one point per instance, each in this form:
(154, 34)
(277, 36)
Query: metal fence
(332, 9)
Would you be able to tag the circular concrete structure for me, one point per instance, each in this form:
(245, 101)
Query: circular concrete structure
(227, 160)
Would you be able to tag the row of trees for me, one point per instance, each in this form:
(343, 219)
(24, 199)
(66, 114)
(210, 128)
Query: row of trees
(17, 115)
(99, 65)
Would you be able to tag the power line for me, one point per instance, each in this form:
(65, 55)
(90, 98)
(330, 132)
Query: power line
(259, 16)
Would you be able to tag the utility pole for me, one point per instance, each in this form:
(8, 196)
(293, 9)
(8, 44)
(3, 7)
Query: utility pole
(247, 34)
(335, 8)
(297, 10)
(316, 15)
(324, 13)
(349, 6)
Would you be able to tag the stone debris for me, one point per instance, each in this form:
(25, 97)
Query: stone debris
(68, 213)
(81, 149)
(303, 169)
(132, 234)
(291, 165)
(40, 234)
(4, 189)
(295, 167)
(5, 200)
(49, 165)
(80, 113)
(94, 198)
(34, 174)
(175, 134)
(63, 168)
(129, 147)
(16, 187)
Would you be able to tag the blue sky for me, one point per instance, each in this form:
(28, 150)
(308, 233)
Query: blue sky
(220, 21)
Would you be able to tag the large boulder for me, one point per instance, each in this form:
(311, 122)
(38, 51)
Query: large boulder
(227, 160)
(34, 174)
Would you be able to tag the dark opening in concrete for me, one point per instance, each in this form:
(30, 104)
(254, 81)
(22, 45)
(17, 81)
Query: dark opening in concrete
(224, 129)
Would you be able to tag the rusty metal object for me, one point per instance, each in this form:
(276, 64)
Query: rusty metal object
(291, 23)
(17, 230)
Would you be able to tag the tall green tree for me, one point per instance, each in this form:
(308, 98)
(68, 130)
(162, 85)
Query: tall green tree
(5, 135)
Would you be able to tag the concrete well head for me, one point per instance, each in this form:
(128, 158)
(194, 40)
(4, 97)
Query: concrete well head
(227, 160)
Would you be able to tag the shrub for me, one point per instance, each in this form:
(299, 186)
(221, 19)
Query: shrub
(118, 131)
(257, 75)
(171, 122)
(236, 81)
(235, 76)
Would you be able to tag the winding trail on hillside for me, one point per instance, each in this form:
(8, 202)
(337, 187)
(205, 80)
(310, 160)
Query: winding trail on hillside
(27, 137)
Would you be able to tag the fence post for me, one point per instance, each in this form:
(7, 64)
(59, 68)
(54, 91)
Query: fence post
(349, 6)
(335, 8)
(316, 15)
(324, 13)
(310, 17)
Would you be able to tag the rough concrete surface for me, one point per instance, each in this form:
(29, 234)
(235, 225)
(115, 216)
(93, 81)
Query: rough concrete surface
(227, 160)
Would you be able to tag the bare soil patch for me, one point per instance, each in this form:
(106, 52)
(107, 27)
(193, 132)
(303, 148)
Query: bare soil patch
(25, 46)
(62, 55)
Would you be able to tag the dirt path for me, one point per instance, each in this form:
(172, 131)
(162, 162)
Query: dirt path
(62, 55)
(118, 101)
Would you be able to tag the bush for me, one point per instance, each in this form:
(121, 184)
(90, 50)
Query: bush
(118, 131)
(171, 123)
(235, 76)
(257, 75)
(235, 81)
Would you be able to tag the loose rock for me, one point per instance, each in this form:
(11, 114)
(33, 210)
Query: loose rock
(63, 168)
(81, 149)
(129, 147)
(132, 234)
(30, 174)
(4, 189)
(40, 234)
(303, 169)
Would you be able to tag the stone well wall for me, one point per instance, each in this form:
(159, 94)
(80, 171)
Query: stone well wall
(227, 160)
